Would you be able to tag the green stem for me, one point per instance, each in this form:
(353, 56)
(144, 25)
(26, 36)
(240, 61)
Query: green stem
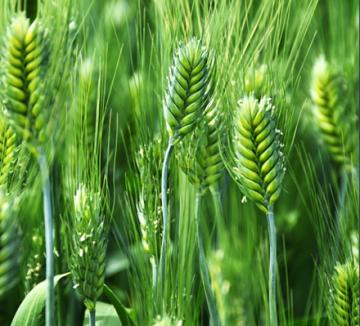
(204, 272)
(93, 317)
(272, 266)
(153, 268)
(341, 199)
(219, 216)
(49, 239)
(166, 224)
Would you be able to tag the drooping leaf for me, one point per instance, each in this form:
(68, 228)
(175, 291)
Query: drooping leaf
(126, 315)
(30, 312)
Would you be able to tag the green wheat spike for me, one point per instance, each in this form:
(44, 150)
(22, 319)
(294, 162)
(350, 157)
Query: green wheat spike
(255, 80)
(199, 156)
(148, 162)
(87, 262)
(8, 148)
(258, 151)
(344, 306)
(330, 114)
(9, 245)
(25, 57)
(187, 94)
(35, 262)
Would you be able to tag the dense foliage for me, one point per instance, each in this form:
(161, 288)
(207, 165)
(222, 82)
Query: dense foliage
(179, 162)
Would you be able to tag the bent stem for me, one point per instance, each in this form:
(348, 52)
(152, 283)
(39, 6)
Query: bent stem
(272, 266)
(93, 317)
(49, 238)
(166, 225)
(204, 272)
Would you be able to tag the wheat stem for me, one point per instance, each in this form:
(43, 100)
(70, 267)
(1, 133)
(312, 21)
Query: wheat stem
(93, 317)
(342, 194)
(272, 266)
(154, 274)
(49, 240)
(166, 226)
(204, 272)
(218, 213)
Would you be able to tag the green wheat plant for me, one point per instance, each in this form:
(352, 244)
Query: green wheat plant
(149, 203)
(330, 112)
(258, 167)
(186, 97)
(26, 49)
(159, 132)
(88, 250)
(203, 165)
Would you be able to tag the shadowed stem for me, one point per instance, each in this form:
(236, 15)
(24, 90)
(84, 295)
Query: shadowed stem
(49, 239)
(272, 266)
(93, 317)
(204, 272)
(166, 225)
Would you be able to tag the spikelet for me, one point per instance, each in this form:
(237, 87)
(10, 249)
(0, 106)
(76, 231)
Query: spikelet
(255, 81)
(25, 56)
(330, 114)
(148, 161)
(8, 148)
(35, 262)
(187, 94)
(88, 252)
(343, 309)
(9, 244)
(257, 151)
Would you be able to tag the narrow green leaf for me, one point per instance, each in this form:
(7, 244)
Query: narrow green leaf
(30, 312)
(126, 315)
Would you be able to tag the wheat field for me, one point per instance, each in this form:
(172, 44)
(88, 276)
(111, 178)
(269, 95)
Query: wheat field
(179, 162)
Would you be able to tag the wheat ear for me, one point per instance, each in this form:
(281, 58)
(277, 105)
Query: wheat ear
(327, 93)
(35, 260)
(148, 161)
(185, 99)
(8, 147)
(255, 80)
(333, 121)
(26, 51)
(344, 305)
(89, 246)
(260, 168)
(9, 244)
